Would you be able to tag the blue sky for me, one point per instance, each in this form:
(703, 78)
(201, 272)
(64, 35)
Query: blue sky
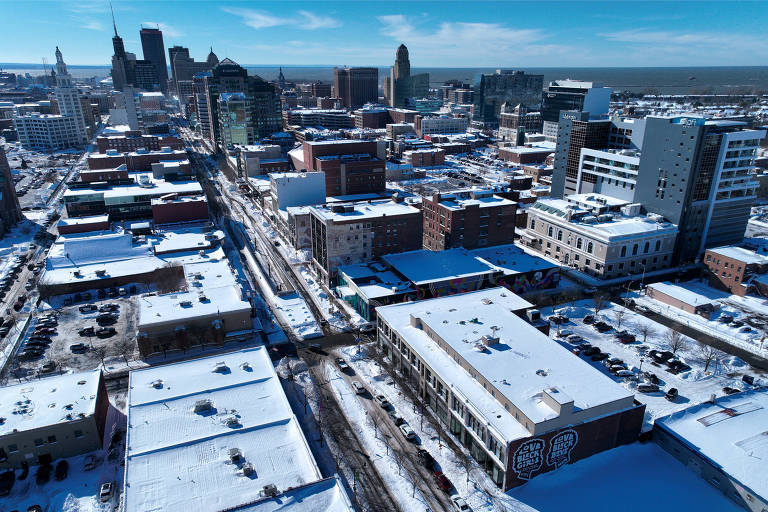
(442, 33)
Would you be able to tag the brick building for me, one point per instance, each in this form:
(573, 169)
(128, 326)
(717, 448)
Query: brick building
(525, 155)
(732, 268)
(344, 234)
(134, 140)
(350, 166)
(468, 218)
(173, 209)
(425, 157)
(140, 160)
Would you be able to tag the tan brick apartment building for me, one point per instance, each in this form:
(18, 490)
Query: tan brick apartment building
(350, 166)
(731, 268)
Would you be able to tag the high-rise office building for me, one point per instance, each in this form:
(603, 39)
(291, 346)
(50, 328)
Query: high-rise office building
(68, 98)
(145, 75)
(505, 86)
(590, 97)
(263, 100)
(184, 68)
(356, 86)
(400, 85)
(697, 173)
(122, 71)
(154, 52)
(10, 211)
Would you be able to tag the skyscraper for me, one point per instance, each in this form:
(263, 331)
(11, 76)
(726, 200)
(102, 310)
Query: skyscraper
(401, 85)
(154, 52)
(505, 86)
(68, 98)
(184, 68)
(356, 86)
(10, 211)
(590, 97)
(122, 71)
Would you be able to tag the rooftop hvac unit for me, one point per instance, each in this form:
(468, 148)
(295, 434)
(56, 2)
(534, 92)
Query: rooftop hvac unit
(605, 217)
(157, 384)
(221, 367)
(589, 219)
(235, 455)
(248, 469)
(202, 298)
(232, 422)
(186, 303)
(203, 405)
(101, 273)
(534, 315)
(490, 340)
(269, 490)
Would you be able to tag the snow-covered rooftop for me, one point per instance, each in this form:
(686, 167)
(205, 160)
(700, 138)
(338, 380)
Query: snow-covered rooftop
(522, 365)
(363, 211)
(324, 496)
(180, 459)
(740, 253)
(685, 294)
(731, 432)
(195, 303)
(48, 401)
(73, 221)
(512, 259)
(423, 267)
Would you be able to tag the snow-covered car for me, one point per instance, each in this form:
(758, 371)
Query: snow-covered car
(574, 338)
(396, 418)
(625, 373)
(87, 308)
(382, 401)
(647, 387)
(106, 491)
(407, 432)
(643, 309)
(359, 388)
(342, 364)
(459, 505)
(564, 333)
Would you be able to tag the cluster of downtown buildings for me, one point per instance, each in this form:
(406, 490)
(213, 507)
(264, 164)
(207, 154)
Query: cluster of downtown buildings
(429, 210)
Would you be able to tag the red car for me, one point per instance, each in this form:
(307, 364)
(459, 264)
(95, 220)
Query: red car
(442, 481)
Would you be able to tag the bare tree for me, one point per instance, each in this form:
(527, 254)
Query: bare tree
(646, 330)
(676, 341)
(618, 315)
(101, 353)
(708, 353)
(598, 303)
(169, 278)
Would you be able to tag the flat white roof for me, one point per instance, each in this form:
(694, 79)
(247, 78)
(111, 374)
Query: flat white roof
(512, 259)
(511, 365)
(48, 401)
(176, 307)
(731, 432)
(364, 211)
(423, 266)
(684, 294)
(740, 253)
(326, 495)
(179, 459)
(73, 221)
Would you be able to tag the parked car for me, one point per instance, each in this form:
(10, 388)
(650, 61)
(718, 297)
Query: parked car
(105, 332)
(396, 418)
(746, 328)
(43, 474)
(590, 351)
(589, 319)
(671, 394)
(602, 326)
(442, 481)
(558, 319)
(564, 333)
(342, 364)
(87, 308)
(106, 319)
(86, 331)
(7, 479)
(599, 356)
(725, 319)
(647, 387)
(730, 391)
(78, 348)
(407, 432)
(643, 309)
(651, 377)
(62, 470)
(426, 459)
(48, 367)
(737, 323)
(459, 505)
(625, 373)
(627, 338)
(106, 491)
(382, 401)
(575, 338)
(359, 388)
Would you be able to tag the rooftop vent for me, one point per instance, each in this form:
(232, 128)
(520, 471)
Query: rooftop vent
(246, 366)
(202, 298)
(101, 273)
(248, 469)
(203, 405)
(186, 303)
(235, 456)
(269, 490)
(220, 367)
(541, 373)
(489, 340)
(157, 384)
(232, 422)
(76, 273)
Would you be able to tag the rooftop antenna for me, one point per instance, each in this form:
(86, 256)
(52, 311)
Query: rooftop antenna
(45, 65)
(113, 18)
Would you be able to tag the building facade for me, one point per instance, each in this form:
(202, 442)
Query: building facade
(10, 210)
(590, 97)
(350, 167)
(469, 218)
(356, 86)
(400, 85)
(505, 86)
(154, 52)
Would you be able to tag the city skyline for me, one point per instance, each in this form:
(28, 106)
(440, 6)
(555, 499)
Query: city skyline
(322, 33)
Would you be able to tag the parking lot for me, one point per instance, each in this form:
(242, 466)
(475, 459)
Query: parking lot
(78, 336)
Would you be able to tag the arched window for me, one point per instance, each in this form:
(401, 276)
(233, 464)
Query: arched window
(634, 250)
(578, 243)
(559, 235)
(658, 245)
(589, 247)
(623, 251)
(550, 231)
(646, 247)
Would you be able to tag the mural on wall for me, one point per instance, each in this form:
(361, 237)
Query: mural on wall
(529, 456)
(529, 281)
